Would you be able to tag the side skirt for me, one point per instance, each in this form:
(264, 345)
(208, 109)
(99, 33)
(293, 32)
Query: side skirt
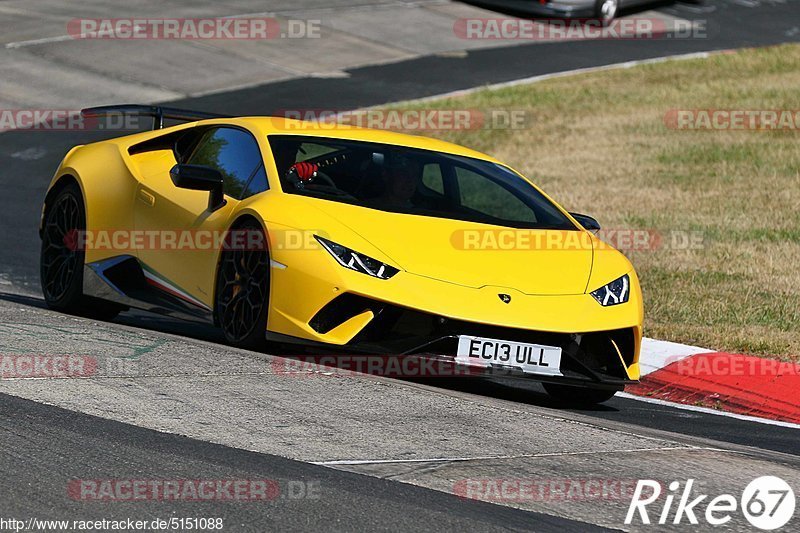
(124, 280)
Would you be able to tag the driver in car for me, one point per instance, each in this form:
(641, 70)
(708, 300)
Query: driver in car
(401, 179)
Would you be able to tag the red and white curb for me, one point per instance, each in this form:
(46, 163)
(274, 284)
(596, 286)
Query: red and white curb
(750, 387)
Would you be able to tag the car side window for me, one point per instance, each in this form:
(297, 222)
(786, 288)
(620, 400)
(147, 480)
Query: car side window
(432, 178)
(258, 183)
(235, 153)
(313, 150)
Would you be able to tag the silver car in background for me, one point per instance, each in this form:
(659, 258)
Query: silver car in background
(605, 10)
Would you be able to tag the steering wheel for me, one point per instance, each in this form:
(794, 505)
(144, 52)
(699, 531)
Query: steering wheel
(307, 176)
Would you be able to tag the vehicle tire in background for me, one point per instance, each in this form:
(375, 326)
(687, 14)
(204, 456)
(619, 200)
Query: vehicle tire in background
(606, 10)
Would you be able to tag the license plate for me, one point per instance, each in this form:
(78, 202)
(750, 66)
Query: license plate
(530, 358)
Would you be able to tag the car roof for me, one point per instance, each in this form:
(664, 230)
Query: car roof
(287, 126)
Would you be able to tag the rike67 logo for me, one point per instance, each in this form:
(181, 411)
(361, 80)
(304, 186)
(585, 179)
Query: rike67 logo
(767, 502)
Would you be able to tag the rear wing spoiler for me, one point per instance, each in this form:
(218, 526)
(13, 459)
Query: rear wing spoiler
(158, 113)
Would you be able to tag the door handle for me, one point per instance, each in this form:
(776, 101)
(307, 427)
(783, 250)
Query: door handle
(147, 198)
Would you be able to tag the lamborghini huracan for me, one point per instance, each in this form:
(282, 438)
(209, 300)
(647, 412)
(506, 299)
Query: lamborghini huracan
(359, 240)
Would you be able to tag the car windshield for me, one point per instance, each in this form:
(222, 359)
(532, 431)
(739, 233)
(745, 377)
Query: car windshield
(412, 181)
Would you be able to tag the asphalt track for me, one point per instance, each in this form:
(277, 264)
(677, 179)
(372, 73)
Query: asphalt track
(35, 481)
(677, 420)
(69, 445)
(150, 386)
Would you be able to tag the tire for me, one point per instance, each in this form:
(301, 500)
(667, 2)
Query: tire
(606, 10)
(242, 293)
(579, 396)
(61, 261)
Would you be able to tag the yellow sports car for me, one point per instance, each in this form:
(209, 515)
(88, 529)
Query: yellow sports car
(333, 236)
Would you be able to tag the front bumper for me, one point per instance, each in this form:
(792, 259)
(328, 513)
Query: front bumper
(602, 359)
(577, 366)
(345, 322)
(315, 301)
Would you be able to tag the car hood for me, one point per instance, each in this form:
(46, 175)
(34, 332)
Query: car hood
(537, 262)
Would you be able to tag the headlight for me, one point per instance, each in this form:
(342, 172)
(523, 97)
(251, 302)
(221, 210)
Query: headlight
(357, 261)
(616, 292)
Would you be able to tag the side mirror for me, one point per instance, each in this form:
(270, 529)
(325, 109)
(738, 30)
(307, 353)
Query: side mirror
(200, 178)
(589, 223)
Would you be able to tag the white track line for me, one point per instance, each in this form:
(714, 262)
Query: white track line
(542, 77)
(494, 457)
(43, 40)
(709, 411)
